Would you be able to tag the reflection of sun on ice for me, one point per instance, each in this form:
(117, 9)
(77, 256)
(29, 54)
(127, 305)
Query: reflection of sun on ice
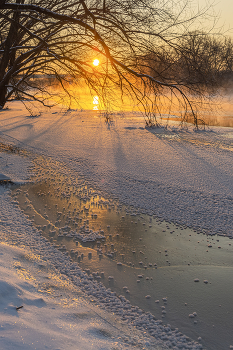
(95, 103)
(96, 62)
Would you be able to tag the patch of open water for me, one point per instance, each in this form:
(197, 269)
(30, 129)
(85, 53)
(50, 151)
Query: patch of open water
(181, 276)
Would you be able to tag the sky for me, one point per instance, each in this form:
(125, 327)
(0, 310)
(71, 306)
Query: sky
(224, 8)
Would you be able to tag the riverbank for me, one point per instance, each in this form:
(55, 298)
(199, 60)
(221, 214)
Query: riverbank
(43, 303)
(178, 175)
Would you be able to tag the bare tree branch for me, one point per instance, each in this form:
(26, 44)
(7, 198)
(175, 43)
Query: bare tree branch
(140, 44)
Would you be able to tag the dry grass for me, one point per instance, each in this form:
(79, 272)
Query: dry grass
(9, 148)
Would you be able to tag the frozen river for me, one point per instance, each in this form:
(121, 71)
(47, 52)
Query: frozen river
(180, 275)
(156, 205)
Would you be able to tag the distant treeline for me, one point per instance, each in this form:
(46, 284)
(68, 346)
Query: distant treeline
(196, 59)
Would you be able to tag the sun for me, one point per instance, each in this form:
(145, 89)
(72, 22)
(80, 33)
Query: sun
(96, 62)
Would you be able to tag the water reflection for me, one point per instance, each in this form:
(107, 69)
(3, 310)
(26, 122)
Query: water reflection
(95, 103)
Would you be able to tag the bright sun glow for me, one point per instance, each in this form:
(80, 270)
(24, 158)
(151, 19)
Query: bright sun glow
(96, 62)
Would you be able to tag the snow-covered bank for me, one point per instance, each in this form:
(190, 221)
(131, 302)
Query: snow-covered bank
(44, 302)
(181, 176)
(51, 314)
(47, 301)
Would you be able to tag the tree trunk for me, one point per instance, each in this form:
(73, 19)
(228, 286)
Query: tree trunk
(3, 93)
(8, 56)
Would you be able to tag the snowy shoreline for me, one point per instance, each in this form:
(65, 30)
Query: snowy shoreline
(17, 229)
(178, 175)
(181, 176)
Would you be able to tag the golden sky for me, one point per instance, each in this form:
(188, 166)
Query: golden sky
(224, 8)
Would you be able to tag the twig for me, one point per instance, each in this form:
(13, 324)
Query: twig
(19, 307)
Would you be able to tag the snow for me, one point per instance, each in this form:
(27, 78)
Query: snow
(165, 172)
(52, 313)
(178, 175)
(13, 168)
(43, 303)
(4, 178)
(48, 290)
